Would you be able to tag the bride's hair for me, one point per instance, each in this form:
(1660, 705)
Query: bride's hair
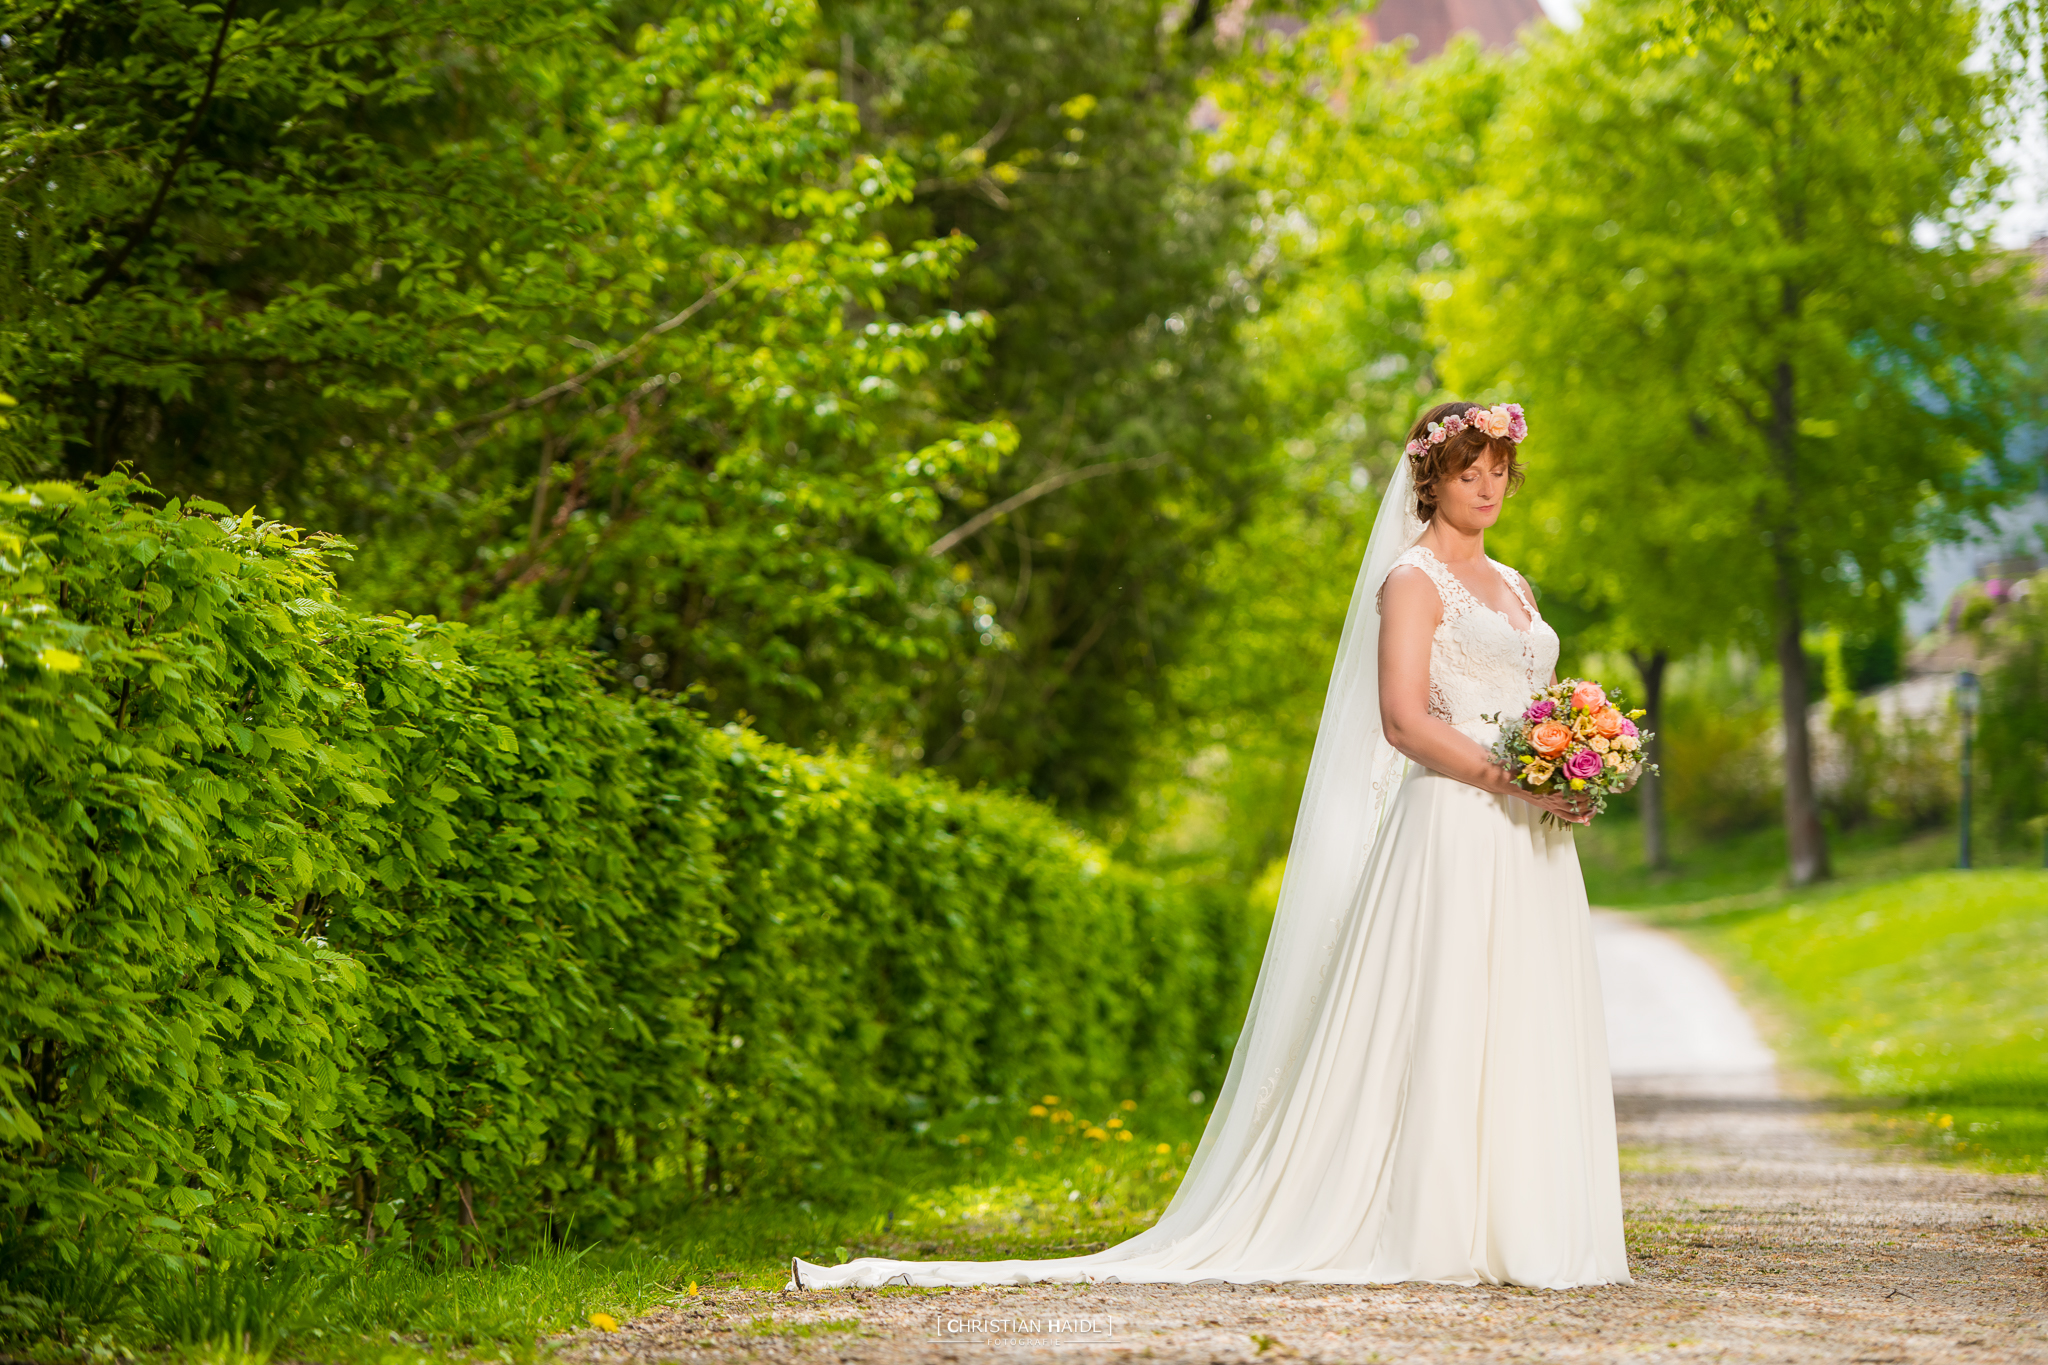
(1438, 460)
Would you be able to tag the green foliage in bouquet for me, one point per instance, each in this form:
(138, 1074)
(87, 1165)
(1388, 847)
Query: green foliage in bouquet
(317, 925)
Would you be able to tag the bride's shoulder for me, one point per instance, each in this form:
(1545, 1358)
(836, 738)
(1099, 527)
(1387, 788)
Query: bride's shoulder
(1409, 581)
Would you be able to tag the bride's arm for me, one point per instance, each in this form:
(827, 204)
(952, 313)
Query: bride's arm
(1409, 612)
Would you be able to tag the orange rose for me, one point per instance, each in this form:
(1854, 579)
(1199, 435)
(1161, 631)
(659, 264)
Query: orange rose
(1550, 739)
(1607, 722)
(1588, 696)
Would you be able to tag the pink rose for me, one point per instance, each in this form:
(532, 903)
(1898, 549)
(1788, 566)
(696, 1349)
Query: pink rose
(1588, 696)
(1628, 727)
(1518, 426)
(1584, 763)
(1540, 710)
(1493, 421)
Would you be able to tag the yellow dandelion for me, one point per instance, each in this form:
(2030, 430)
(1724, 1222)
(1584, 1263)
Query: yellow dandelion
(1115, 1123)
(1129, 1104)
(1098, 1134)
(1163, 1149)
(1038, 1111)
(604, 1322)
(1124, 1136)
(1050, 1099)
(692, 1290)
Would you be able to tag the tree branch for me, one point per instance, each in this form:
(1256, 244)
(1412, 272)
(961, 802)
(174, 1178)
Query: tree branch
(1037, 491)
(142, 229)
(575, 382)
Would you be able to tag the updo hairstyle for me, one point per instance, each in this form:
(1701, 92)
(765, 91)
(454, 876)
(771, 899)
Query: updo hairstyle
(1454, 455)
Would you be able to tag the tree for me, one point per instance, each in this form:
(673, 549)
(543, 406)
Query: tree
(697, 327)
(551, 303)
(1348, 155)
(1764, 353)
(1110, 255)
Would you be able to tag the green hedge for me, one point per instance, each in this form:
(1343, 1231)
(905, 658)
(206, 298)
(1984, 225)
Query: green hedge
(318, 924)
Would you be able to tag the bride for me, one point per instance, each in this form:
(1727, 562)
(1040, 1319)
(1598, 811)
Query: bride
(1420, 1090)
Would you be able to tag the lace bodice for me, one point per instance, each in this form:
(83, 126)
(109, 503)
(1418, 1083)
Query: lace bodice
(1479, 663)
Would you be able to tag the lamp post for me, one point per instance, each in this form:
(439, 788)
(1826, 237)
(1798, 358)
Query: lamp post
(1966, 707)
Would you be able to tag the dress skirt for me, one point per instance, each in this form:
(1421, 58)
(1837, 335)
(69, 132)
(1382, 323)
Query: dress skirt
(1453, 1118)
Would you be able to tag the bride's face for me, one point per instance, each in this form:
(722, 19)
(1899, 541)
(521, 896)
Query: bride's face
(1470, 500)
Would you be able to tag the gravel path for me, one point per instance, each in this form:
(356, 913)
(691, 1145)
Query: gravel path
(1759, 1229)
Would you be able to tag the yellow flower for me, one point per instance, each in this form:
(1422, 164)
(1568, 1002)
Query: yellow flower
(1637, 714)
(1098, 1134)
(1050, 1100)
(1128, 1104)
(692, 1290)
(604, 1322)
(1124, 1136)
(1578, 784)
(1038, 1111)
(1163, 1149)
(1115, 1123)
(1538, 772)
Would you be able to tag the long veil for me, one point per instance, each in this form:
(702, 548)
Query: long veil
(1351, 775)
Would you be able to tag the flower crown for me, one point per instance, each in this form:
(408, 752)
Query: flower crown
(1503, 419)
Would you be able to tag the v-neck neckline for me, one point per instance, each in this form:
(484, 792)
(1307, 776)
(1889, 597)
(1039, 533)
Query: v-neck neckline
(1499, 573)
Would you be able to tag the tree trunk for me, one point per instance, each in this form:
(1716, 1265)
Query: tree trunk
(1650, 787)
(1805, 841)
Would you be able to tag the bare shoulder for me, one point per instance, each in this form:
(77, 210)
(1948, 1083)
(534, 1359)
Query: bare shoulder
(1409, 592)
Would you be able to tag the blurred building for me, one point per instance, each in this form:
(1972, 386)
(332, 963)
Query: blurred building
(1432, 23)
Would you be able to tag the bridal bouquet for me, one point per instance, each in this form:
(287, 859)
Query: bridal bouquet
(1572, 737)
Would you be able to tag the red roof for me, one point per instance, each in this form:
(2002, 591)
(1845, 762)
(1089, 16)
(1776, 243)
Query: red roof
(1433, 22)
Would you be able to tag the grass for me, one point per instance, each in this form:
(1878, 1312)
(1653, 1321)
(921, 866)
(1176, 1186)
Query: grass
(1749, 866)
(1930, 990)
(105, 1301)
(998, 1181)
(1902, 980)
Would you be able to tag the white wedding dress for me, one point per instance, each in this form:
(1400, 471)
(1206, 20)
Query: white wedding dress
(1434, 1101)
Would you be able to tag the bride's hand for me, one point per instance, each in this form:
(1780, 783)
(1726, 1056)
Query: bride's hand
(1571, 807)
